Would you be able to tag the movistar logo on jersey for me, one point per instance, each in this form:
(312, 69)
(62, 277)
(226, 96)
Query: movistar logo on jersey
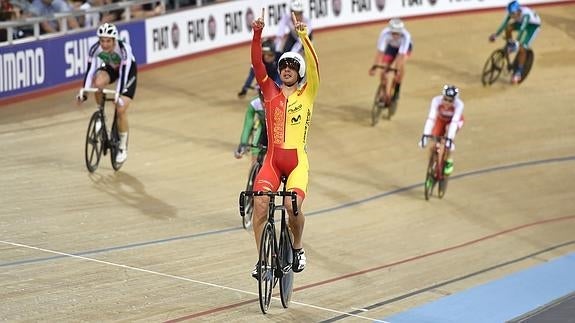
(296, 120)
(110, 58)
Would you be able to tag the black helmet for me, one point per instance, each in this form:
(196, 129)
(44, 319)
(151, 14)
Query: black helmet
(450, 91)
(268, 46)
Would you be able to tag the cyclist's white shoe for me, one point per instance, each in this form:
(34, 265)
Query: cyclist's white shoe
(299, 260)
(98, 125)
(121, 156)
(255, 271)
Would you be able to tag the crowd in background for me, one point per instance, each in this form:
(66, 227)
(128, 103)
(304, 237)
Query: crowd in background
(20, 9)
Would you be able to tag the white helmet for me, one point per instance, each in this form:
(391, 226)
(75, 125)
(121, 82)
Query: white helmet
(296, 5)
(396, 25)
(108, 30)
(298, 58)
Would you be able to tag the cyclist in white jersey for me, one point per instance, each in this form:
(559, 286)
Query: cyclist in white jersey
(393, 47)
(287, 39)
(111, 60)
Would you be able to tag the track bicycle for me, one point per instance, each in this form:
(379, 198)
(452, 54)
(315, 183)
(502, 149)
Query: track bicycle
(254, 170)
(275, 256)
(435, 168)
(99, 139)
(387, 88)
(500, 61)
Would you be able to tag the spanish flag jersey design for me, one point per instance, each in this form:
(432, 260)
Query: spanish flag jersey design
(287, 121)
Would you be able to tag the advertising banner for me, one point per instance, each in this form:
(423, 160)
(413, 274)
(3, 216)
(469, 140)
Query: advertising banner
(46, 63)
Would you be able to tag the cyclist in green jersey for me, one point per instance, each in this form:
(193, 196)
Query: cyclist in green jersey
(254, 128)
(527, 23)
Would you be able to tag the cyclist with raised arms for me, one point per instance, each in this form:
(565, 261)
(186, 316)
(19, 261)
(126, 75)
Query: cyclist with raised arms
(527, 23)
(445, 116)
(111, 60)
(288, 110)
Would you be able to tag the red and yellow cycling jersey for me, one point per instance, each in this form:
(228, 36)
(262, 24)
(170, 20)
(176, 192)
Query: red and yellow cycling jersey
(287, 121)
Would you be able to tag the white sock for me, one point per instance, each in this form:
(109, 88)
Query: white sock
(123, 140)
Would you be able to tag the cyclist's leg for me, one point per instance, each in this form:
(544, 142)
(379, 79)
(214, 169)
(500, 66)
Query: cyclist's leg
(268, 179)
(525, 41)
(102, 78)
(297, 181)
(122, 116)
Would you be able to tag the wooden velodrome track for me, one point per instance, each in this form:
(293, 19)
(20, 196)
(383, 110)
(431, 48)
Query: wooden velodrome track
(161, 240)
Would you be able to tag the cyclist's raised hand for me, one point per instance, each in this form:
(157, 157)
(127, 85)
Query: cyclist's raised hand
(298, 25)
(258, 24)
(492, 37)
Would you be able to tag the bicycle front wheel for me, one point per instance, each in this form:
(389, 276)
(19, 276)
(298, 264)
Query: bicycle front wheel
(266, 275)
(429, 179)
(249, 200)
(94, 142)
(529, 57)
(493, 67)
(285, 265)
(442, 187)
(377, 108)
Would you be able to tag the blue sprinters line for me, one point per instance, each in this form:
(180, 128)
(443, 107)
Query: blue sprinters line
(500, 300)
(312, 213)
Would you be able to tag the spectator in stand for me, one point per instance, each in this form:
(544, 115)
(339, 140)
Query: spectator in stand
(147, 10)
(49, 7)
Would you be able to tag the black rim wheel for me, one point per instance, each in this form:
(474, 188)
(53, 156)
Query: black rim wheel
(94, 142)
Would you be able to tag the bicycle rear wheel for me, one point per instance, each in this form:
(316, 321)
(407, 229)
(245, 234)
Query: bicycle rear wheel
(527, 66)
(493, 67)
(94, 142)
(429, 183)
(285, 259)
(377, 108)
(114, 145)
(266, 274)
(442, 187)
(249, 200)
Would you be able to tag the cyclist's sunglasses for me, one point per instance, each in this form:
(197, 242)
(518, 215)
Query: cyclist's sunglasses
(292, 63)
(447, 99)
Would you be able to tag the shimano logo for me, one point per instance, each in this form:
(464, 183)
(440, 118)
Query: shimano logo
(22, 69)
(76, 54)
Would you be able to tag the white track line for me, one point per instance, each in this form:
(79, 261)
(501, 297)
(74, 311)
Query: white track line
(181, 278)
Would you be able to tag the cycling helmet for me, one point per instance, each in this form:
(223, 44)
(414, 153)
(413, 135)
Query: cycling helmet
(450, 91)
(513, 7)
(108, 30)
(268, 46)
(396, 25)
(294, 58)
(296, 5)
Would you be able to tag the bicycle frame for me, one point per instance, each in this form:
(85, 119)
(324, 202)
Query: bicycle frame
(386, 87)
(435, 169)
(272, 258)
(101, 140)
